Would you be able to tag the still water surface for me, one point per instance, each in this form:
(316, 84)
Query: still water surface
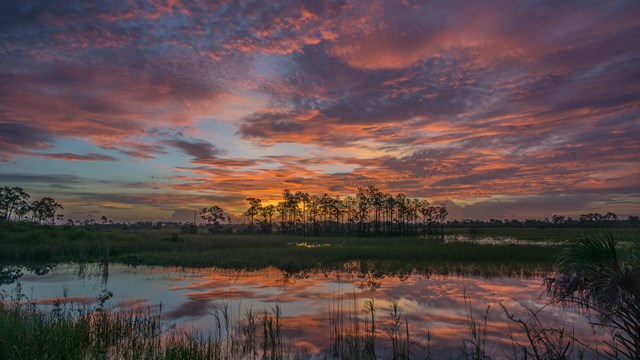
(438, 308)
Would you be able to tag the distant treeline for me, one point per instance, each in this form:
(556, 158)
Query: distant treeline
(369, 212)
(590, 220)
(629, 222)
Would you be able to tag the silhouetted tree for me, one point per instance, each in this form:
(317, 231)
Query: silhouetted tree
(44, 210)
(303, 198)
(213, 214)
(255, 207)
(13, 199)
(351, 207)
(441, 215)
(364, 204)
(557, 219)
(267, 213)
(292, 210)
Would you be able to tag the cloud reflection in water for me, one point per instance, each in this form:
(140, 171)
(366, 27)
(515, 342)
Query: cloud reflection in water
(432, 304)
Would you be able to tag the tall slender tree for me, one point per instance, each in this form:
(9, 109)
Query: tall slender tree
(255, 207)
(364, 204)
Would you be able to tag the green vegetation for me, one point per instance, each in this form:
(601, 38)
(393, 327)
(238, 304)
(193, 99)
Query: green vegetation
(27, 243)
(553, 234)
(22, 243)
(69, 332)
(594, 274)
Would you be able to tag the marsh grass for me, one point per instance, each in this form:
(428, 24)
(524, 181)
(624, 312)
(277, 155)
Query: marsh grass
(473, 347)
(23, 244)
(351, 335)
(357, 331)
(543, 341)
(68, 331)
(541, 234)
(27, 332)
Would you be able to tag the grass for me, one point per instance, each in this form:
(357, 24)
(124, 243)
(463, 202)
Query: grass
(67, 331)
(541, 234)
(28, 333)
(23, 244)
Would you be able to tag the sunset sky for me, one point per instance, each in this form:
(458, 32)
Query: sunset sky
(152, 109)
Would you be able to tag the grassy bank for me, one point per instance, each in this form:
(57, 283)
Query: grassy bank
(26, 243)
(541, 234)
(21, 243)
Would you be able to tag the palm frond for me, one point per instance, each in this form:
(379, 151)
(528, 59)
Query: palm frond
(593, 275)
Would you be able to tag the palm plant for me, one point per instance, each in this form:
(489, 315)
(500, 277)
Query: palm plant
(593, 274)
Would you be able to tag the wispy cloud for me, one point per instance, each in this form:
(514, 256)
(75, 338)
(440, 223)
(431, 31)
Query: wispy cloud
(78, 157)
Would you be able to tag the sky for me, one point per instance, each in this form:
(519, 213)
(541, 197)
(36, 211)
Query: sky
(141, 110)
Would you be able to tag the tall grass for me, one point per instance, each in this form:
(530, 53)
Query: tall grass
(75, 333)
(66, 331)
(71, 332)
(350, 336)
(473, 347)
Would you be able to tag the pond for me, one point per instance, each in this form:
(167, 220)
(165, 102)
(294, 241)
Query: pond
(437, 311)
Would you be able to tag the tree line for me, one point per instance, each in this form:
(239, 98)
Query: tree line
(589, 220)
(15, 206)
(370, 211)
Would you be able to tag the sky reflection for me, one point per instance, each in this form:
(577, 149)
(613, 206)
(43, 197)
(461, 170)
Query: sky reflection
(437, 307)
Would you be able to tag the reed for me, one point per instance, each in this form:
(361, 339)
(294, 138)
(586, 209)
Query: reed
(67, 331)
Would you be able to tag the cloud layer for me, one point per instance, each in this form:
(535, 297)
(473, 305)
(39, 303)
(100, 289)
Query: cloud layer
(528, 102)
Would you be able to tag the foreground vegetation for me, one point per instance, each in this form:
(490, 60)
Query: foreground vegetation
(68, 331)
(597, 276)
(71, 332)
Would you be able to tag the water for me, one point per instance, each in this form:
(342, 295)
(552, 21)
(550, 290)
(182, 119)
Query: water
(493, 240)
(438, 308)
